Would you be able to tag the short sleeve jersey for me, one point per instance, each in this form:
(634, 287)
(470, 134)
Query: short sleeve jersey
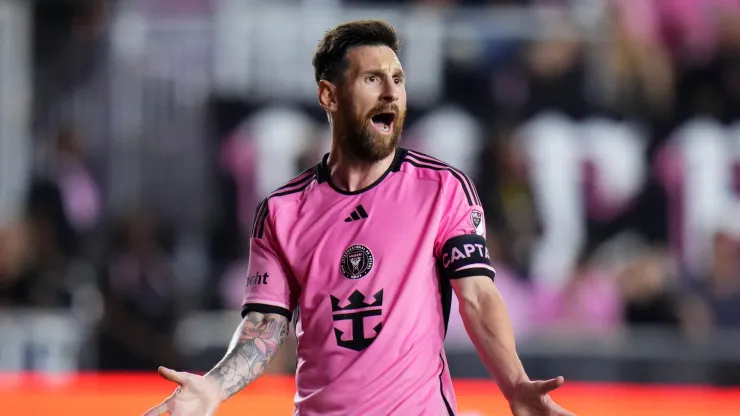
(366, 277)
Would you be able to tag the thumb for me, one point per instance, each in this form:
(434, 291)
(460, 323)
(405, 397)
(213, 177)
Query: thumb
(547, 386)
(172, 375)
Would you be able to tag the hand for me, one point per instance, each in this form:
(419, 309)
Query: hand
(531, 398)
(195, 396)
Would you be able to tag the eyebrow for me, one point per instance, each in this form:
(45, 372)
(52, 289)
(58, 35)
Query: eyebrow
(397, 73)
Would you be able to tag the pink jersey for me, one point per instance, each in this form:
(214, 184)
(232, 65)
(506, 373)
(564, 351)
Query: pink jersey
(366, 276)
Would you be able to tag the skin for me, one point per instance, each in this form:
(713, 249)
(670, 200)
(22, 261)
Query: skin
(360, 154)
(374, 82)
(255, 343)
(487, 323)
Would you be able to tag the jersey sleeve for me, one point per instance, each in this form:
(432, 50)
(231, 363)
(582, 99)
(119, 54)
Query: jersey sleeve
(460, 247)
(269, 286)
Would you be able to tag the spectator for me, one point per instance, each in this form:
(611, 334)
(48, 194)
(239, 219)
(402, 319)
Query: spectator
(51, 274)
(715, 299)
(589, 304)
(648, 290)
(79, 190)
(139, 295)
(506, 194)
(12, 256)
(556, 72)
(713, 303)
(643, 71)
(711, 86)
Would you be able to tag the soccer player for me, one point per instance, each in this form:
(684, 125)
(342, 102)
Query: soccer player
(363, 252)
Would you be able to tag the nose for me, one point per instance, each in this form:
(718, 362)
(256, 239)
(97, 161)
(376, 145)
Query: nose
(390, 92)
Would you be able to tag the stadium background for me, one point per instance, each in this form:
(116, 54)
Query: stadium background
(137, 136)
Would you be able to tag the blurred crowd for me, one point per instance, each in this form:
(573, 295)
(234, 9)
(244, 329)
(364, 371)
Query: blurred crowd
(594, 186)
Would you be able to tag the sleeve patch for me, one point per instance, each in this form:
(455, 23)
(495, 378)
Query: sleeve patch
(478, 222)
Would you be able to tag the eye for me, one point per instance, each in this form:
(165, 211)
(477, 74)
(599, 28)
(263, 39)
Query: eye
(398, 81)
(371, 78)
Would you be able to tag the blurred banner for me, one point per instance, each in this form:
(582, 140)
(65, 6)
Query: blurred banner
(15, 94)
(118, 395)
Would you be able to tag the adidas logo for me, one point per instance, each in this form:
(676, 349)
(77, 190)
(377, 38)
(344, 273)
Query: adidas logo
(358, 214)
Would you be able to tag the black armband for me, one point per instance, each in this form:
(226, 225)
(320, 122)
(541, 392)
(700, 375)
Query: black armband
(465, 256)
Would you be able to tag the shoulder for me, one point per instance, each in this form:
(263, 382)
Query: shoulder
(286, 195)
(450, 179)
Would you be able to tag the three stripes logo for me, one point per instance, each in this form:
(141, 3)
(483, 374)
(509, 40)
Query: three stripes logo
(358, 214)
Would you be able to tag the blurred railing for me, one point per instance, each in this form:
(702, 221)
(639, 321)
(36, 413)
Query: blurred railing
(62, 341)
(202, 330)
(47, 341)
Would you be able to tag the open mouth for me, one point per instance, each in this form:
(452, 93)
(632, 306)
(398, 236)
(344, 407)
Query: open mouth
(383, 122)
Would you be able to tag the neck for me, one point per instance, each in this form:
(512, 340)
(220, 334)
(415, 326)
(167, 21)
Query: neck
(350, 174)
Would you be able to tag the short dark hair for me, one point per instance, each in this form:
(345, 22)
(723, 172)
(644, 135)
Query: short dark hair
(329, 61)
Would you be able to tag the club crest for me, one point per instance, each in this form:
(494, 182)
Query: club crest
(357, 261)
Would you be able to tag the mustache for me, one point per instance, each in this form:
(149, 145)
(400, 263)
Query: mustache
(392, 108)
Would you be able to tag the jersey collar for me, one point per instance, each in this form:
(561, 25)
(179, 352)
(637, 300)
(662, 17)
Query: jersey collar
(324, 175)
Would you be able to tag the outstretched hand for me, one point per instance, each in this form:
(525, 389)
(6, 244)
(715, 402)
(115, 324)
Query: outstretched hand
(532, 398)
(194, 396)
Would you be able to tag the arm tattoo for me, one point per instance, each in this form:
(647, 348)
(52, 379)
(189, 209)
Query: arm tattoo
(254, 344)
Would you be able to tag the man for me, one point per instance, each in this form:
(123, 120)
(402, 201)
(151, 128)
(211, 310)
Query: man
(366, 248)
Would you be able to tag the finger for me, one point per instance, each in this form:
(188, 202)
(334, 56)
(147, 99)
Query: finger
(559, 411)
(549, 385)
(158, 410)
(564, 412)
(172, 375)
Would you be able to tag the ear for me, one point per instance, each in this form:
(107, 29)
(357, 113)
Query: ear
(328, 96)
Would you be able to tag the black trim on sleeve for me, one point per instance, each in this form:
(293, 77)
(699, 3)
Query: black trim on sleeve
(457, 176)
(297, 184)
(263, 308)
(461, 251)
(474, 271)
(467, 184)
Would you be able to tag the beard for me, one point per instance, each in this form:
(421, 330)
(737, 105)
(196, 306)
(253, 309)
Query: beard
(360, 140)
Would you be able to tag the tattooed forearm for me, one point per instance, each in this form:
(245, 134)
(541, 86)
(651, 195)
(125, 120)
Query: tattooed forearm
(255, 342)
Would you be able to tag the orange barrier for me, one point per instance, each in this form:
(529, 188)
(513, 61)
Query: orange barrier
(119, 395)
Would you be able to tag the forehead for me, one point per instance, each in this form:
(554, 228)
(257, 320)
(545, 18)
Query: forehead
(366, 58)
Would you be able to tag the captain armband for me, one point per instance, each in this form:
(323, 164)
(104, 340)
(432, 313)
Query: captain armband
(465, 256)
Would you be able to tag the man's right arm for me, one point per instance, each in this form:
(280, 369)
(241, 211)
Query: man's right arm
(255, 343)
(257, 339)
(270, 296)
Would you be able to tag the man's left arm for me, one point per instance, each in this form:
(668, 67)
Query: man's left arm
(487, 322)
(464, 261)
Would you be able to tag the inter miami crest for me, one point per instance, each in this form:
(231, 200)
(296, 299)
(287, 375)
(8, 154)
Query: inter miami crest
(476, 219)
(357, 262)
